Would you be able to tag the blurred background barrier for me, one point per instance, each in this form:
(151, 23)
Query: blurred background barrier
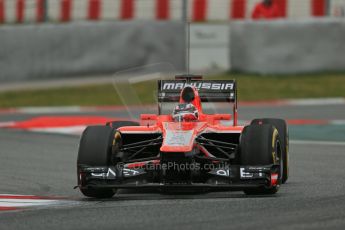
(26, 11)
(209, 47)
(86, 48)
(284, 47)
(62, 38)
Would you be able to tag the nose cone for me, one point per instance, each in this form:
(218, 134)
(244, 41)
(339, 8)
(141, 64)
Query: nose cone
(178, 138)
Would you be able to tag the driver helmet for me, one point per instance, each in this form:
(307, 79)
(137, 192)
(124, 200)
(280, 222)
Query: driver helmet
(185, 112)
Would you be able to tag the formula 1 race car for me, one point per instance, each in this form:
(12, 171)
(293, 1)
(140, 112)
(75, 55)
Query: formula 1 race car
(186, 149)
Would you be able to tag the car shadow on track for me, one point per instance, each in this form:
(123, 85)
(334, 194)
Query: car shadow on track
(125, 195)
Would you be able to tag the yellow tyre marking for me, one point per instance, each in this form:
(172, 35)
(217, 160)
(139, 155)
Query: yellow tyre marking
(274, 139)
(116, 137)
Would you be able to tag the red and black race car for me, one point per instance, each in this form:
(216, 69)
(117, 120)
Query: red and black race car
(187, 149)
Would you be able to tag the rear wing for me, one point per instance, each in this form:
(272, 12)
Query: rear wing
(209, 90)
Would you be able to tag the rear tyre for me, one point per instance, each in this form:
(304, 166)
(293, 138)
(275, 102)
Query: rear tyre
(95, 151)
(283, 131)
(260, 146)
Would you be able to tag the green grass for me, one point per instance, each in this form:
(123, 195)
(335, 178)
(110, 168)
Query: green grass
(288, 87)
(250, 87)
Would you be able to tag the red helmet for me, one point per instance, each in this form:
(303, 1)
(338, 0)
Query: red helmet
(185, 112)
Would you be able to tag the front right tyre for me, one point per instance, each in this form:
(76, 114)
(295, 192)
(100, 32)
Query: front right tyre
(283, 131)
(95, 151)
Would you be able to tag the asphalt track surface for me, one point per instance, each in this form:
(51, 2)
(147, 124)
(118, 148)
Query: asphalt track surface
(44, 164)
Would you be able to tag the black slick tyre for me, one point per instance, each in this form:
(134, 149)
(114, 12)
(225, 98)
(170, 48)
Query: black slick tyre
(259, 146)
(283, 131)
(95, 151)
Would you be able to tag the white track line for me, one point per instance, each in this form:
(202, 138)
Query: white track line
(61, 130)
(21, 201)
(11, 200)
(7, 124)
(337, 122)
(317, 101)
(308, 142)
(50, 110)
(26, 202)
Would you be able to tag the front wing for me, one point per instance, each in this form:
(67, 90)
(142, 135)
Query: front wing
(232, 177)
